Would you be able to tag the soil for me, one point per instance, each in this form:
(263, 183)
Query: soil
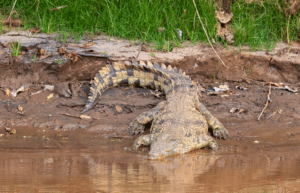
(34, 121)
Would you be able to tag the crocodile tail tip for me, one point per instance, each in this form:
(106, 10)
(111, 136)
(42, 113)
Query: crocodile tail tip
(86, 109)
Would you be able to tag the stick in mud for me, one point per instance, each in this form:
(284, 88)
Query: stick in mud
(268, 99)
(139, 52)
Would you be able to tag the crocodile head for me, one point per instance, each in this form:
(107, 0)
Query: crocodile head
(168, 144)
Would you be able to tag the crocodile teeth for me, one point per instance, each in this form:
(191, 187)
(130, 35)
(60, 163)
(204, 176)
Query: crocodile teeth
(169, 67)
(179, 71)
(163, 66)
(149, 64)
(142, 63)
(183, 73)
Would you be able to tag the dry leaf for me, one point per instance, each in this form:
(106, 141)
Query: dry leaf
(242, 111)
(238, 110)
(90, 44)
(7, 92)
(233, 110)
(294, 6)
(275, 84)
(85, 117)
(230, 92)
(161, 29)
(212, 93)
(20, 108)
(241, 87)
(62, 51)
(21, 89)
(223, 17)
(45, 56)
(50, 96)
(119, 109)
(41, 52)
(13, 131)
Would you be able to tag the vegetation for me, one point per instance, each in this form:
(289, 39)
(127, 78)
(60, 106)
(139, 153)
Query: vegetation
(15, 48)
(259, 24)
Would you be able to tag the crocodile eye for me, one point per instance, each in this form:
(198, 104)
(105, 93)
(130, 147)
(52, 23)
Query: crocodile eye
(192, 87)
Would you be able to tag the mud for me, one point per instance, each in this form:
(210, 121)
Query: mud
(64, 153)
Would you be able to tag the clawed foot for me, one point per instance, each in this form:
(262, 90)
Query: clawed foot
(221, 133)
(135, 128)
(130, 149)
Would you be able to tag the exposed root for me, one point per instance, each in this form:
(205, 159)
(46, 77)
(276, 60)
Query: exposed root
(268, 99)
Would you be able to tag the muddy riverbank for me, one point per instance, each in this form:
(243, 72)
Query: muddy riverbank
(42, 132)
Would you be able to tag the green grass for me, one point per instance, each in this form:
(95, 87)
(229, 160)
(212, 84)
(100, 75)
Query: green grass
(261, 25)
(15, 47)
(258, 25)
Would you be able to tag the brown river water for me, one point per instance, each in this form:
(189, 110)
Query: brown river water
(110, 169)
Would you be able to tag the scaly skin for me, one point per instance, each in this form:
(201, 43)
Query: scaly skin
(179, 124)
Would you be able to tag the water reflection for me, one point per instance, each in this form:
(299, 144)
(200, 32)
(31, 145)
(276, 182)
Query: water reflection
(118, 171)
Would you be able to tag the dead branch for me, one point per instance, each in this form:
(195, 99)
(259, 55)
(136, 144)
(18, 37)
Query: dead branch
(60, 7)
(287, 30)
(207, 35)
(12, 11)
(139, 52)
(268, 99)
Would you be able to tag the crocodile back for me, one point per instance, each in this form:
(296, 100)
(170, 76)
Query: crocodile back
(155, 76)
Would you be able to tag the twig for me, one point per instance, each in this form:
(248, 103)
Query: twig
(69, 115)
(60, 7)
(89, 35)
(195, 20)
(11, 12)
(287, 30)
(37, 7)
(207, 35)
(268, 99)
(139, 52)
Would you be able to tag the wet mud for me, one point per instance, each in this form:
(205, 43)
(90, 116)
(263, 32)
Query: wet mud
(43, 136)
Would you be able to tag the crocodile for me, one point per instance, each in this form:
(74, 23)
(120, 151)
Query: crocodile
(179, 125)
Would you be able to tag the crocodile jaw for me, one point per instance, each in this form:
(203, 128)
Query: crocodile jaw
(165, 147)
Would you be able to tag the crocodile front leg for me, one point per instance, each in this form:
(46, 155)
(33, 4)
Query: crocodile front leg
(143, 140)
(138, 124)
(218, 128)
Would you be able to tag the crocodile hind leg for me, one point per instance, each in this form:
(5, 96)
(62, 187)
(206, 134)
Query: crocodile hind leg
(199, 142)
(138, 124)
(218, 128)
(204, 140)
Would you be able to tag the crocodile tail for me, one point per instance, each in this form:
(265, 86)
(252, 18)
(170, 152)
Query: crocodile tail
(130, 73)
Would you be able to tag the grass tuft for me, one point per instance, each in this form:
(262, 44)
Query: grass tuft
(258, 24)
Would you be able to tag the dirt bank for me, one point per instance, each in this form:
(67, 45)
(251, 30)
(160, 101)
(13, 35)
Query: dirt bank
(42, 133)
(246, 75)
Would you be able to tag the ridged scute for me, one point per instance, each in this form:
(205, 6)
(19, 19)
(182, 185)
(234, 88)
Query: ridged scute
(135, 73)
